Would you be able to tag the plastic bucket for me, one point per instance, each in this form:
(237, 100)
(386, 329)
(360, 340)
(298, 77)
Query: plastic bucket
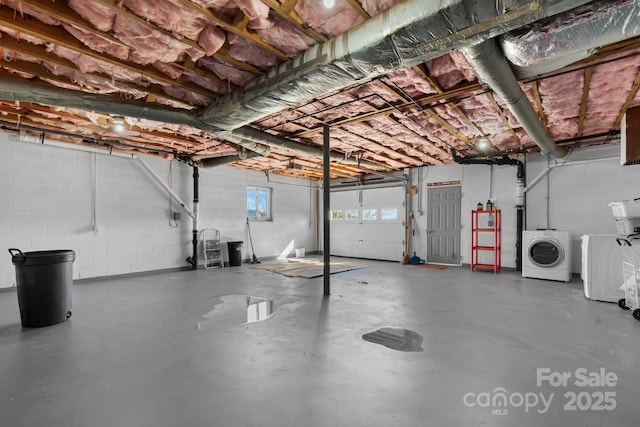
(43, 281)
(300, 253)
(235, 253)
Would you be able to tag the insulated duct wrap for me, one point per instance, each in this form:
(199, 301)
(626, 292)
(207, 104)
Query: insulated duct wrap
(554, 43)
(492, 68)
(410, 33)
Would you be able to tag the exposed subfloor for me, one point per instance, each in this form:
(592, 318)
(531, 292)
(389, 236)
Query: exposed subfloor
(133, 355)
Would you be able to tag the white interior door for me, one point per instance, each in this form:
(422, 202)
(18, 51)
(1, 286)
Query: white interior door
(443, 234)
(368, 223)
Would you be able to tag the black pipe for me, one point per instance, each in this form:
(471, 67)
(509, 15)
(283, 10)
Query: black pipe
(519, 230)
(520, 174)
(577, 140)
(193, 259)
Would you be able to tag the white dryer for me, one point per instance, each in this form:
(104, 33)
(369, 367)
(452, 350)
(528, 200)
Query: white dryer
(546, 254)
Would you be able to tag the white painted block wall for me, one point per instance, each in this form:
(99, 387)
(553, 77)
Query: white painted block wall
(47, 198)
(576, 197)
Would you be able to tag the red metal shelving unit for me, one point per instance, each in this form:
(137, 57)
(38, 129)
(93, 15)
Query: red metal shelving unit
(485, 238)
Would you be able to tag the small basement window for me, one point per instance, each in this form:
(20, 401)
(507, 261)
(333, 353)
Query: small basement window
(352, 214)
(336, 215)
(389, 214)
(370, 214)
(259, 203)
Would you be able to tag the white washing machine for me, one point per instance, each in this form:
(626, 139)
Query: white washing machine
(546, 254)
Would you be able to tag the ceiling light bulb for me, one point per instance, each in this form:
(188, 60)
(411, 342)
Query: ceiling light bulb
(118, 124)
(483, 143)
(328, 3)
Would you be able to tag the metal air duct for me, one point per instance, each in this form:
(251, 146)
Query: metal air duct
(554, 43)
(492, 68)
(407, 34)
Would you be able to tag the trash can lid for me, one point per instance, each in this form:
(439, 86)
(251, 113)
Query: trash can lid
(41, 257)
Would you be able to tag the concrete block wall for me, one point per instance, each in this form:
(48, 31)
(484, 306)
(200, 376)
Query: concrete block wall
(48, 196)
(575, 197)
(223, 207)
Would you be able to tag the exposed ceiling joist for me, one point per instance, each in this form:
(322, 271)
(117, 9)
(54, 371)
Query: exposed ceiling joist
(228, 26)
(584, 103)
(630, 97)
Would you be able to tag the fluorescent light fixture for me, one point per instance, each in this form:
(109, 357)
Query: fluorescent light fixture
(329, 3)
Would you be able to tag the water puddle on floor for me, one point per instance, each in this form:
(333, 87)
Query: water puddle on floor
(395, 339)
(234, 310)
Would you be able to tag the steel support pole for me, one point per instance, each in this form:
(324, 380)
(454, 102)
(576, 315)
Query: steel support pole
(326, 195)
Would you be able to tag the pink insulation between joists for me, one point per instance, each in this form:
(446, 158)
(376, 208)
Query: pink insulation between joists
(245, 51)
(99, 44)
(281, 117)
(457, 119)
(87, 64)
(374, 7)
(211, 39)
(22, 37)
(212, 85)
(374, 136)
(482, 112)
(28, 10)
(561, 102)
(284, 36)
(226, 72)
(169, 70)
(400, 134)
(431, 145)
(172, 16)
(149, 45)
(485, 115)
(450, 69)
(254, 9)
(187, 95)
(377, 94)
(412, 83)
(332, 22)
(602, 110)
(436, 131)
(100, 16)
(182, 21)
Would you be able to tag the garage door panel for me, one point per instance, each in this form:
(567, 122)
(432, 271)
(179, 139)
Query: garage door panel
(370, 236)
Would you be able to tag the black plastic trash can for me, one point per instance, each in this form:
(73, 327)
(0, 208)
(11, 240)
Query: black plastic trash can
(43, 281)
(235, 253)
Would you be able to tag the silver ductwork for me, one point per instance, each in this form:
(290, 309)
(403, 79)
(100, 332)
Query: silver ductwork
(21, 90)
(554, 43)
(224, 160)
(492, 68)
(407, 34)
(247, 133)
(252, 139)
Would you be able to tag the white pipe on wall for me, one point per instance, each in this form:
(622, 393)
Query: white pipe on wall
(24, 137)
(548, 169)
(165, 187)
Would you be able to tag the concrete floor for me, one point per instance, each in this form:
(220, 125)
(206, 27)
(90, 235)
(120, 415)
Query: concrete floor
(132, 354)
